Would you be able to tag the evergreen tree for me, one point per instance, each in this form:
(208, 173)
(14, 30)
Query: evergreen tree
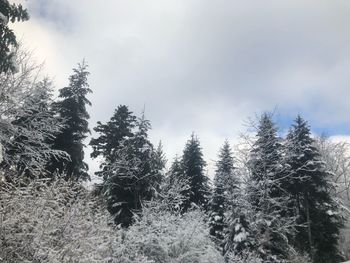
(8, 43)
(159, 157)
(176, 171)
(72, 108)
(133, 177)
(266, 161)
(111, 134)
(176, 186)
(193, 170)
(224, 182)
(267, 201)
(316, 211)
(158, 163)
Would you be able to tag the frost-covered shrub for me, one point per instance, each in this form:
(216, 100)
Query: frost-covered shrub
(54, 222)
(173, 238)
(251, 257)
(173, 194)
(60, 221)
(247, 257)
(299, 258)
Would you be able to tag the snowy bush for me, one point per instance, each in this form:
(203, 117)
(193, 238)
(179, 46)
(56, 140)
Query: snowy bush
(60, 221)
(52, 222)
(251, 257)
(248, 257)
(173, 238)
(173, 194)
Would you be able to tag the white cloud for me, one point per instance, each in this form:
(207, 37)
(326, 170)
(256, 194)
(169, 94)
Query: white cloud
(340, 138)
(200, 65)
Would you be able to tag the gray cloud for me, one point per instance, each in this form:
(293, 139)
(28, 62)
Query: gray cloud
(201, 66)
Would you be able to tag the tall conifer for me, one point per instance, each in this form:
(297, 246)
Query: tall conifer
(72, 108)
(120, 126)
(224, 182)
(193, 170)
(316, 211)
(267, 221)
(133, 176)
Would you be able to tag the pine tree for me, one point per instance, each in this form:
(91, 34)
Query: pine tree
(111, 134)
(224, 182)
(159, 157)
(72, 108)
(133, 177)
(8, 43)
(175, 170)
(158, 163)
(193, 170)
(176, 186)
(317, 212)
(267, 219)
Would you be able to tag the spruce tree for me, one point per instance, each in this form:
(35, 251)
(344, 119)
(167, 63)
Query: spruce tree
(177, 186)
(159, 157)
(72, 108)
(133, 177)
(158, 162)
(118, 128)
(224, 182)
(193, 170)
(266, 198)
(8, 43)
(316, 211)
(175, 170)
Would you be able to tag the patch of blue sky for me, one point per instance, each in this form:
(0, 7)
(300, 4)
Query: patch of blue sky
(284, 120)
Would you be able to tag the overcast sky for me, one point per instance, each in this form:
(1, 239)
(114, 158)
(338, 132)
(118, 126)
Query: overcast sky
(201, 66)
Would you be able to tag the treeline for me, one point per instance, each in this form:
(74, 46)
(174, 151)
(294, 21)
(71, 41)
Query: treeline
(277, 204)
(283, 207)
(273, 199)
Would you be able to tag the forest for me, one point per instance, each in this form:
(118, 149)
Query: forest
(274, 197)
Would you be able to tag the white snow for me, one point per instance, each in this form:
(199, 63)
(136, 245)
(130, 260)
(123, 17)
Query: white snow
(240, 237)
(217, 218)
(330, 212)
(3, 19)
(237, 227)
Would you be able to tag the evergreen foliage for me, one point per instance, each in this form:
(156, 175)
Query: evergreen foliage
(224, 183)
(111, 134)
(317, 213)
(177, 185)
(133, 177)
(264, 222)
(176, 170)
(265, 163)
(36, 119)
(159, 158)
(193, 171)
(8, 43)
(72, 108)
(27, 123)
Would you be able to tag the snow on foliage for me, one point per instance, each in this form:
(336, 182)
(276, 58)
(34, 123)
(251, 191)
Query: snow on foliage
(336, 156)
(163, 236)
(3, 19)
(59, 221)
(27, 124)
